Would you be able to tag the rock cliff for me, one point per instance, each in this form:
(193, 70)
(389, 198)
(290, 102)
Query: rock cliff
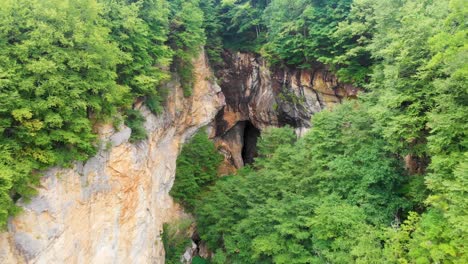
(111, 208)
(258, 96)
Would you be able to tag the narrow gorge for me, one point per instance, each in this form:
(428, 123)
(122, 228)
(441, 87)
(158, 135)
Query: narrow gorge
(110, 209)
(233, 131)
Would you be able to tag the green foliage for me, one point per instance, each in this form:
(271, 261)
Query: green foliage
(176, 238)
(135, 121)
(339, 194)
(448, 120)
(425, 239)
(407, 90)
(199, 260)
(140, 29)
(219, 258)
(289, 96)
(446, 73)
(57, 70)
(243, 26)
(332, 196)
(186, 37)
(301, 33)
(213, 31)
(346, 150)
(353, 63)
(420, 91)
(272, 138)
(197, 167)
(321, 199)
(66, 65)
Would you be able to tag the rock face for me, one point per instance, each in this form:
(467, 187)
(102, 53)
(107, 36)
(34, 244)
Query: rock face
(262, 97)
(111, 208)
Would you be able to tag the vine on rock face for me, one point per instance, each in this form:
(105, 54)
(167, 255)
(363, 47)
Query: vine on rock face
(135, 121)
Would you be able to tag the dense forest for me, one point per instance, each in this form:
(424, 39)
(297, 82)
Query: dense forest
(68, 65)
(340, 194)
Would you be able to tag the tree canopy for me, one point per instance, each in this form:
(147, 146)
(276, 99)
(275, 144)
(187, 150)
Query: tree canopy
(67, 65)
(340, 194)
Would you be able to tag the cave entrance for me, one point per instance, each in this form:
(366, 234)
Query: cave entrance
(249, 148)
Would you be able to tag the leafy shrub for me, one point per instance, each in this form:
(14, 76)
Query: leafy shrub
(176, 238)
(135, 121)
(199, 260)
(197, 167)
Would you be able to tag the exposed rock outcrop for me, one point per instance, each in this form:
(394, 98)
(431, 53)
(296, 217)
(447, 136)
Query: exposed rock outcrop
(111, 208)
(268, 97)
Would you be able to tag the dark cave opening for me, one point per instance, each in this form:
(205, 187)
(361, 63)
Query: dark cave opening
(249, 148)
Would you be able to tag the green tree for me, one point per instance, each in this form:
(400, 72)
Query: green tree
(57, 77)
(439, 235)
(353, 63)
(213, 31)
(300, 31)
(272, 138)
(318, 200)
(243, 26)
(176, 238)
(186, 37)
(197, 167)
(406, 91)
(140, 30)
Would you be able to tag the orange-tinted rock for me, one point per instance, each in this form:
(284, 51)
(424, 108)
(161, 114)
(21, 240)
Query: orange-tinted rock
(111, 208)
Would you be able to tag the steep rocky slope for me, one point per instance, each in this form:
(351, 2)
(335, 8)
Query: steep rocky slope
(111, 208)
(258, 96)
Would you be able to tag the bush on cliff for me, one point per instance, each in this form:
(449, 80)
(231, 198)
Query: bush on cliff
(176, 238)
(197, 167)
(66, 65)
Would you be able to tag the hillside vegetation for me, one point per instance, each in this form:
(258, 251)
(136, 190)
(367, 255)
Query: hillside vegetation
(67, 65)
(342, 193)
